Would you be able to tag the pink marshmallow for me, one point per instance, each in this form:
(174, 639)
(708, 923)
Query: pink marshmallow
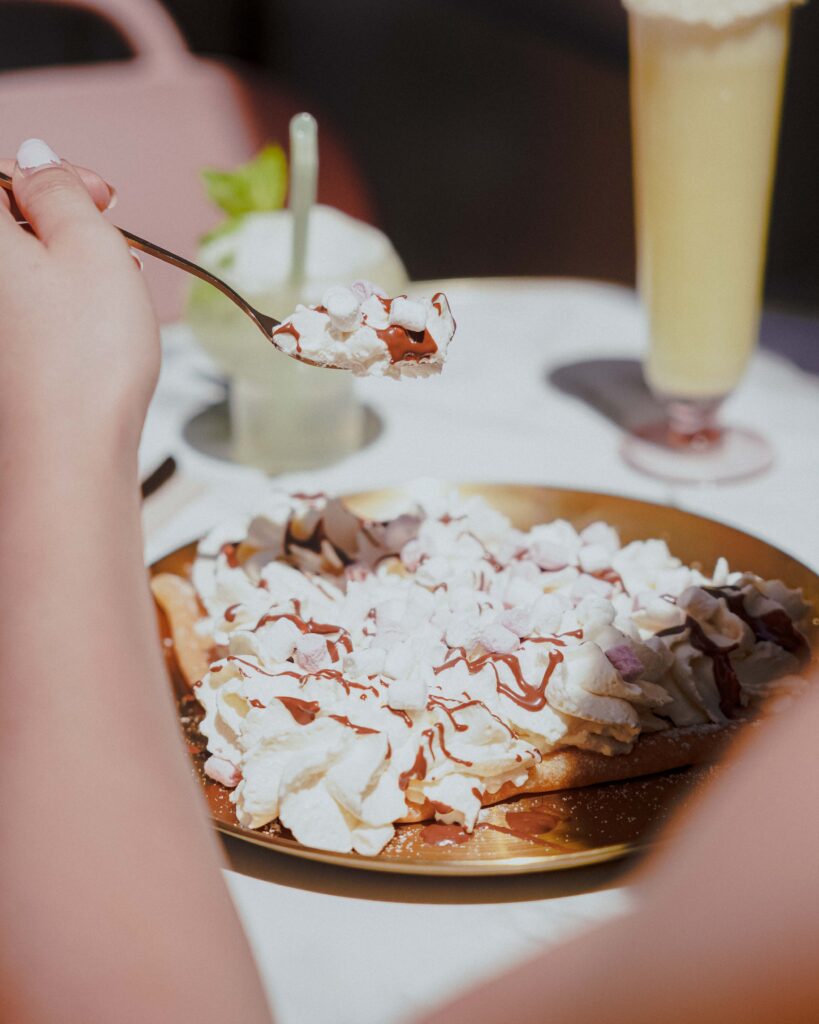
(312, 653)
(625, 661)
(363, 290)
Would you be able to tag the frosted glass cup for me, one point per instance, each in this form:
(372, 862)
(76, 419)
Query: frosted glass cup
(284, 415)
(705, 118)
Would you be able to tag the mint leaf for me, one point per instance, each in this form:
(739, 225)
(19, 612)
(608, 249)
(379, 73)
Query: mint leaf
(260, 184)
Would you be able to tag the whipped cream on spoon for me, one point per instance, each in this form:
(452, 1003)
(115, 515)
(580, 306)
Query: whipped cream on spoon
(361, 330)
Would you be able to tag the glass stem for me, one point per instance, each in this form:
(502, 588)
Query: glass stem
(693, 423)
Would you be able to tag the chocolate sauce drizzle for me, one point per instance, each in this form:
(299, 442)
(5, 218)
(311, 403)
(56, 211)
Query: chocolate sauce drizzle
(305, 625)
(725, 677)
(609, 576)
(528, 825)
(775, 627)
(528, 696)
(404, 344)
(303, 711)
(229, 551)
(289, 328)
(438, 834)
(262, 672)
(417, 771)
(437, 702)
(404, 715)
(361, 730)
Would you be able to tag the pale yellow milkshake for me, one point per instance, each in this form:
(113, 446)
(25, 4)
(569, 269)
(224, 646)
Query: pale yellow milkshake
(706, 91)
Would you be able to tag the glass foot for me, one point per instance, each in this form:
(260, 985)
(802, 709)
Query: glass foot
(709, 456)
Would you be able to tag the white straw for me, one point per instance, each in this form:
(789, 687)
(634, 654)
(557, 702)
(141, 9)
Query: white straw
(303, 179)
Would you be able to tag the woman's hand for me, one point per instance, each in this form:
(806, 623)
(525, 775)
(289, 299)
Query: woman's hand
(90, 742)
(79, 343)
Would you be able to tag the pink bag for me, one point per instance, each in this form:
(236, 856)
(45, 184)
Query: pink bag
(149, 125)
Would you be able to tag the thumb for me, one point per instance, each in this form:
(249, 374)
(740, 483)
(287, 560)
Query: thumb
(51, 195)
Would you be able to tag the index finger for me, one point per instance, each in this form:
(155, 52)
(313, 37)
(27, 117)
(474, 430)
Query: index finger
(100, 191)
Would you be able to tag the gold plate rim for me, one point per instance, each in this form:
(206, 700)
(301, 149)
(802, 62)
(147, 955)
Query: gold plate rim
(452, 865)
(449, 868)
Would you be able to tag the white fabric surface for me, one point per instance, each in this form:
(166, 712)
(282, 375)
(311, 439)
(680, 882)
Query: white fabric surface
(338, 946)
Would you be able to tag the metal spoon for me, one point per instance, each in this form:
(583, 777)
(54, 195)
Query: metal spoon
(266, 324)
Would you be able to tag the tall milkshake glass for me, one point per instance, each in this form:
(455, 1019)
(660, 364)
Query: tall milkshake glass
(706, 92)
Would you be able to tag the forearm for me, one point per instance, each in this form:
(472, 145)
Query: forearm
(728, 913)
(100, 810)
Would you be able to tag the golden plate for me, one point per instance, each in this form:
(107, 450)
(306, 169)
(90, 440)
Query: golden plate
(595, 824)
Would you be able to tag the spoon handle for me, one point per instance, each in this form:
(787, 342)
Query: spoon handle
(266, 323)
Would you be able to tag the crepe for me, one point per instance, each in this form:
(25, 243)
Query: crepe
(358, 674)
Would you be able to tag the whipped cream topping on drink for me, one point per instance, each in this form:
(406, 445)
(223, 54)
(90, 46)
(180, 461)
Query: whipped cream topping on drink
(366, 668)
(716, 13)
(361, 330)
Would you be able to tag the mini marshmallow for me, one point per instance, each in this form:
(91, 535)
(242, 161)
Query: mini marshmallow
(550, 556)
(312, 653)
(594, 558)
(366, 661)
(401, 659)
(520, 592)
(625, 661)
(409, 693)
(342, 307)
(391, 614)
(584, 586)
(221, 770)
(561, 579)
(277, 640)
(548, 612)
(602, 534)
(462, 631)
(364, 290)
(498, 639)
(408, 314)
(596, 611)
(519, 620)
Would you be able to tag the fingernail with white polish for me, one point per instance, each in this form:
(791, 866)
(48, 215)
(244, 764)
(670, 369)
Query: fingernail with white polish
(114, 198)
(136, 257)
(34, 154)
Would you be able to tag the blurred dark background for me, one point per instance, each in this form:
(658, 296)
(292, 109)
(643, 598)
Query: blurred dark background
(493, 136)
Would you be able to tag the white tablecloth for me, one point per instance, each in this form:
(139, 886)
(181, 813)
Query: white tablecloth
(340, 946)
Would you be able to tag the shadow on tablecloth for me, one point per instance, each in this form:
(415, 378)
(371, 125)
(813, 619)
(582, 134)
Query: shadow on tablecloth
(311, 876)
(613, 387)
(209, 432)
(616, 388)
